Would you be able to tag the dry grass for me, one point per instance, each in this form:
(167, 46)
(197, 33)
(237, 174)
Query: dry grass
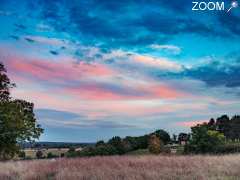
(55, 151)
(125, 168)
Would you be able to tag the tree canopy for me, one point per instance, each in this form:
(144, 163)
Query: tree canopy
(17, 119)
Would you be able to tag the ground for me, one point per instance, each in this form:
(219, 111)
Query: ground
(31, 153)
(146, 167)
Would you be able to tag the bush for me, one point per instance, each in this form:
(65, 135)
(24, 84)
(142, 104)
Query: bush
(117, 143)
(22, 154)
(39, 154)
(155, 145)
(163, 136)
(101, 150)
(204, 140)
(228, 148)
(62, 155)
(51, 155)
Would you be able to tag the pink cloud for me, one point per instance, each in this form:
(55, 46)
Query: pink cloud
(135, 92)
(53, 71)
(191, 123)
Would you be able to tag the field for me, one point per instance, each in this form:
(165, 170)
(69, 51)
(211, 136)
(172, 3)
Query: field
(31, 153)
(125, 168)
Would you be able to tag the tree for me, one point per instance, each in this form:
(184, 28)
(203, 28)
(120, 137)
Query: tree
(163, 136)
(204, 140)
(5, 84)
(99, 143)
(155, 145)
(17, 120)
(22, 154)
(174, 138)
(117, 143)
(50, 155)
(39, 154)
(183, 137)
(234, 128)
(223, 125)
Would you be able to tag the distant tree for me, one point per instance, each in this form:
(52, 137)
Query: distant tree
(174, 139)
(17, 120)
(211, 122)
(234, 128)
(39, 154)
(163, 136)
(204, 140)
(100, 143)
(127, 145)
(71, 149)
(155, 145)
(50, 155)
(105, 150)
(183, 137)
(132, 141)
(117, 143)
(22, 154)
(223, 125)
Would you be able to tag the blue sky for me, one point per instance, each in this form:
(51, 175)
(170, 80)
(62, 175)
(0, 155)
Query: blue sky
(95, 69)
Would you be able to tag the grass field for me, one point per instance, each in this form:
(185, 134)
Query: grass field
(31, 153)
(125, 168)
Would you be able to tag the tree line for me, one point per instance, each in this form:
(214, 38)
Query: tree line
(154, 142)
(217, 136)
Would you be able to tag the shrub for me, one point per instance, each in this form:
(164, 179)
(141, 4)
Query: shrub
(155, 145)
(39, 154)
(163, 136)
(22, 154)
(51, 155)
(228, 148)
(204, 140)
(117, 143)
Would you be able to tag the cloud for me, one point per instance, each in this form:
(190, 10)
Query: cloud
(101, 91)
(46, 40)
(56, 118)
(61, 71)
(190, 123)
(171, 48)
(216, 73)
(160, 63)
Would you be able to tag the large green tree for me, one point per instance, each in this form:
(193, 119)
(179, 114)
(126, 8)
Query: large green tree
(204, 140)
(163, 136)
(17, 119)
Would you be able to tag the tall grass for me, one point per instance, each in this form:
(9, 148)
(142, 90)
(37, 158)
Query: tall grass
(125, 167)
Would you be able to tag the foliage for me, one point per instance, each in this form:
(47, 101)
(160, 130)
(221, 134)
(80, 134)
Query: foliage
(229, 147)
(17, 120)
(229, 127)
(51, 155)
(39, 154)
(5, 84)
(72, 152)
(117, 143)
(100, 143)
(163, 136)
(183, 137)
(22, 154)
(155, 145)
(204, 140)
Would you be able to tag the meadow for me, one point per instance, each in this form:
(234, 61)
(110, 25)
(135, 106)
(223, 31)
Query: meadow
(31, 153)
(146, 167)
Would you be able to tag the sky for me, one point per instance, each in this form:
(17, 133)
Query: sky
(101, 68)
